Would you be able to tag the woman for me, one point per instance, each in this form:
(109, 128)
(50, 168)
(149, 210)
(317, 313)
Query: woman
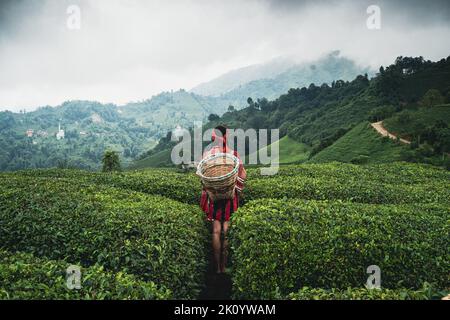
(220, 211)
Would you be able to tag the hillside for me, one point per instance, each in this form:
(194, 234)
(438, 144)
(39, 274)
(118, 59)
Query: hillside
(91, 128)
(235, 78)
(135, 128)
(290, 151)
(270, 85)
(409, 121)
(360, 145)
(319, 116)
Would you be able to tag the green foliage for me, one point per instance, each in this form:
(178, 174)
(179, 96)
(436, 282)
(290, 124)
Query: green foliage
(290, 151)
(356, 188)
(425, 293)
(432, 98)
(165, 182)
(382, 183)
(111, 161)
(151, 237)
(213, 117)
(362, 142)
(120, 222)
(282, 246)
(26, 277)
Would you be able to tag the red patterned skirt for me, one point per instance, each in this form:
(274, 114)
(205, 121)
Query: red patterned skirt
(220, 209)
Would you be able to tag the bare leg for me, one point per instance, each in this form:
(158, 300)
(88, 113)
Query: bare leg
(225, 248)
(216, 244)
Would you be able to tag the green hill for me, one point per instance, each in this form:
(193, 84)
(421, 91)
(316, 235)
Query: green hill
(159, 159)
(362, 144)
(409, 122)
(290, 151)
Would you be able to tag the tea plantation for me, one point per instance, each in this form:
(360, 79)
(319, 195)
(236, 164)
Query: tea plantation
(308, 232)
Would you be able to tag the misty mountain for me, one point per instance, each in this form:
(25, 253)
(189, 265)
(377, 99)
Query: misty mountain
(278, 76)
(28, 140)
(235, 78)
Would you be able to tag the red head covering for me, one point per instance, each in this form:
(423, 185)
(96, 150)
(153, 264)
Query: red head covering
(221, 141)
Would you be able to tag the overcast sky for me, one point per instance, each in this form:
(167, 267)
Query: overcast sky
(128, 50)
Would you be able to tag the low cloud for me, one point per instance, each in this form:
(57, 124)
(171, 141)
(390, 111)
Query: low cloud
(131, 50)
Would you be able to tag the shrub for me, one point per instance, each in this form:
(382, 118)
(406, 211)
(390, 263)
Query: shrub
(361, 159)
(24, 276)
(168, 183)
(152, 237)
(279, 247)
(381, 183)
(426, 293)
(355, 189)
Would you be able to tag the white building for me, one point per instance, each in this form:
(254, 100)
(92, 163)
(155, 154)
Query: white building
(60, 134)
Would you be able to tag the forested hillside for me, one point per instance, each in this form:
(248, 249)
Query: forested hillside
(28, 139)
(318, 115)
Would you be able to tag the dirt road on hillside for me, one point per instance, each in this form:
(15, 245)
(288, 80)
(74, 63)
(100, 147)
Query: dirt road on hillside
(382, 130)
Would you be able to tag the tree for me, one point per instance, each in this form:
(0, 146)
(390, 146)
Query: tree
(432, 98)
(231, 108)
(111, 161)
(213, 117)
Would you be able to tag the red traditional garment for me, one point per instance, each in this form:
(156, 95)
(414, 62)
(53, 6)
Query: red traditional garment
(222, 209)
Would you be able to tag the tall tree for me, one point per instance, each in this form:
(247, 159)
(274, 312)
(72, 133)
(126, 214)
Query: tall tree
(111, 161)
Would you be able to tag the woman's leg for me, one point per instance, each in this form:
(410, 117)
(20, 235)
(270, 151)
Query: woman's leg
(225, 247)
(216, 244)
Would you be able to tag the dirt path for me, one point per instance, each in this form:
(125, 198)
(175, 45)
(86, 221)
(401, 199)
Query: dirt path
(382, 130)
(217, 287)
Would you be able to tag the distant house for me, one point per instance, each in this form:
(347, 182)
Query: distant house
(30, 133)
(60, 134)
(83, 133)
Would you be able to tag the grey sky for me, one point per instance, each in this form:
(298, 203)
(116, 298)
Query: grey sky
(130, 50)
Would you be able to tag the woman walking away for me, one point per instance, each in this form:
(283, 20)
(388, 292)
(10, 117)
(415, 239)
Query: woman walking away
(220, 211)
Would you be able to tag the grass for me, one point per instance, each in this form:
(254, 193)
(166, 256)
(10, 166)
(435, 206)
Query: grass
(362, 144)
(290, 151)
(159, 159)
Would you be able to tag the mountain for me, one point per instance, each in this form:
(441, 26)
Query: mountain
(28, 140)
(412, 96)
(235, 78)
(278, 76)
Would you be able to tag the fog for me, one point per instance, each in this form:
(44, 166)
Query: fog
(130, 50)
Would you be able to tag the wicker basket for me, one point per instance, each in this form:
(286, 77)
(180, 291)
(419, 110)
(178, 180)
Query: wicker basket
(219, 173)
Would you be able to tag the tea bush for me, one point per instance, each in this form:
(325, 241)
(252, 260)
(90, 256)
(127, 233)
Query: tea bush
(23, 276)
(165, 182)
(390, 173)
(356, 189)
(401, 183)
(152, 237)
(426, 293)
(281, 246)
